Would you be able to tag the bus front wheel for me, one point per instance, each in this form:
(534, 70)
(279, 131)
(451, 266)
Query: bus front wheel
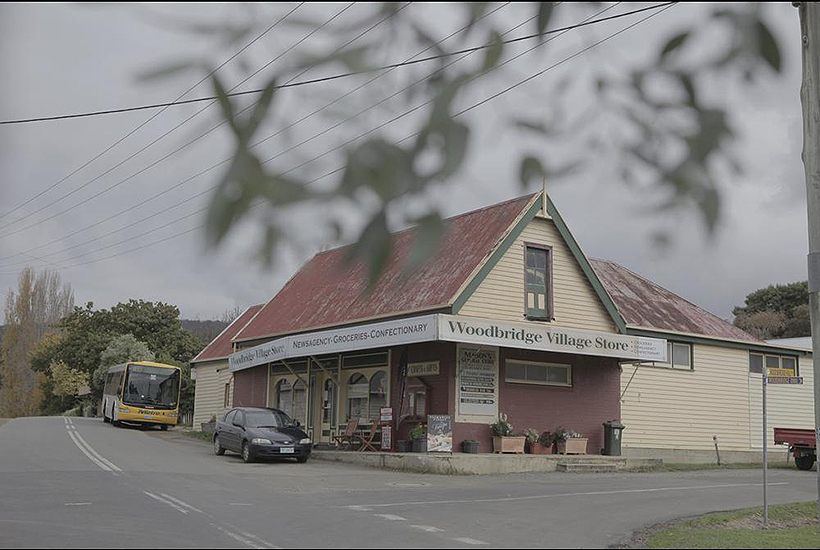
(164, 427)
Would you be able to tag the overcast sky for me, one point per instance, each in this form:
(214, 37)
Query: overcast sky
(57, 59)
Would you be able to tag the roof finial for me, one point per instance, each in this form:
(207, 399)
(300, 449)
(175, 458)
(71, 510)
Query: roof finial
(544, 195)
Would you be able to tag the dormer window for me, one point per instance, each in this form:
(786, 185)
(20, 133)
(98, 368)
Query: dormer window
(538, 282)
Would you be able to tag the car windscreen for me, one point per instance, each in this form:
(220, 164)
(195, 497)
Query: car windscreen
(267, 419)
(151, 387)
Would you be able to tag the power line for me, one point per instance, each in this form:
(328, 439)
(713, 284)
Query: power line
(476, 105)
(152, 117)
(306, 69)
(211, 188)
(326, 78)
(168, 155)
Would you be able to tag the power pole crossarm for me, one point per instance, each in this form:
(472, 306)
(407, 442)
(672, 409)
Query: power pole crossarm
(810, 98)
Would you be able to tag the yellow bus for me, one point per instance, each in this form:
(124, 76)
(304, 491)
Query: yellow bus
(142, 393)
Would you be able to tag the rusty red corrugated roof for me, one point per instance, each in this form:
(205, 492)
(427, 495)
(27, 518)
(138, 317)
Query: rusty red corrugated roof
(221, 346)
(645, 304)
(327, 291)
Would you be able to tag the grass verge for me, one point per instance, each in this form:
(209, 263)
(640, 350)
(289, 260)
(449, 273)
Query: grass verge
(790, 526)
(196, 434)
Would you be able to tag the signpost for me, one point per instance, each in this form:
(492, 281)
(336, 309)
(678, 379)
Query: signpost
(766, 381)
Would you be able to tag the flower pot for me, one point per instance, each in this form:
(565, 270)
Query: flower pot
(420, 445)
(513, 444)
(469, 446)
(538, 449)
(574, 446)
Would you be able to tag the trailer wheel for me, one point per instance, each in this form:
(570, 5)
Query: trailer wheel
(804, 462)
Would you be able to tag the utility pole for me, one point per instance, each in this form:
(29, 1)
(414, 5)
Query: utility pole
(810, 98)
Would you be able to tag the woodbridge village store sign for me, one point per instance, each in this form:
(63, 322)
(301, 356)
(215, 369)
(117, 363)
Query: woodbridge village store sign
(453, 328)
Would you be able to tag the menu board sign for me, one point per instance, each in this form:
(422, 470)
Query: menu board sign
(478, 380)
(439, 433)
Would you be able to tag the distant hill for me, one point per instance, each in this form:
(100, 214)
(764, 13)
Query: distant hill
(205, 330)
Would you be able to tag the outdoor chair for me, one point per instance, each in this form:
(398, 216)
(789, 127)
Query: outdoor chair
(347, 439)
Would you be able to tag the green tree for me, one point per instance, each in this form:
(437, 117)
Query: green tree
(67, 381)
(777, 311)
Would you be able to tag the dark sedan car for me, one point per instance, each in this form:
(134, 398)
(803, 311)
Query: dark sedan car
(260, 433)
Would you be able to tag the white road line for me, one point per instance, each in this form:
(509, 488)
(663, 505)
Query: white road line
(390, 517)
(242, 539)
(65, 419)
(86, 453)
(168, 502)
(367, 507)
(95, 453)
(239, 504)
(77, 504)
(257, 539)
(427, 528)
(181, 503)
(468, 540)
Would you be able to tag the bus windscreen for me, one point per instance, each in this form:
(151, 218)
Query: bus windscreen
(153, 387)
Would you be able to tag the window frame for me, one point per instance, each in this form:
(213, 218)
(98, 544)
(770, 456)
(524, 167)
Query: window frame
(669, 363)
(549, 302)
(567, 366)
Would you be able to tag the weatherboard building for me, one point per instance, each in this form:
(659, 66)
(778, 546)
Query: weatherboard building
(509, 316)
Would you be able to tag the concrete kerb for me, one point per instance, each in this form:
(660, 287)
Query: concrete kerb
(475, 464)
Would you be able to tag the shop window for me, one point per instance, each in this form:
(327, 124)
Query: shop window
(284, 397)
(776, 365)
(357, 391)
(299, 401)
(226, 400)
(361, 361)
(678, 356)
(378, 394)
(548, 374)
(537, 282)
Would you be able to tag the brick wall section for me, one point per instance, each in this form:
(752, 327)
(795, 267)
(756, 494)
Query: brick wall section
(592, 400)
(251, 387)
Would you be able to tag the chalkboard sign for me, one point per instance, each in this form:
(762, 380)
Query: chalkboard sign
(439, 433)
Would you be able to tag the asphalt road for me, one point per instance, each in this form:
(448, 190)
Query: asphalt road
(79, 483)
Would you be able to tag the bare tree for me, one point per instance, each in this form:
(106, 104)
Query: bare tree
(31, 312)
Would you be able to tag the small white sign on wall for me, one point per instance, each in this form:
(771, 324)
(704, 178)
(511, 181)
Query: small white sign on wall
(429, 368)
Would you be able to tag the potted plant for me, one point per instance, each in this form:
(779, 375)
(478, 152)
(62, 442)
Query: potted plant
(539, 444)
(469, 446)
(208, 427)
(570, 442)
(419, 437)
(505, 440)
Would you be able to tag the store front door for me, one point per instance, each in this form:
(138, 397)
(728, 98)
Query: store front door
(326, 395)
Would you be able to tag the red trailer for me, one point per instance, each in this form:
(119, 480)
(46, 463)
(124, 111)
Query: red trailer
(802, 444)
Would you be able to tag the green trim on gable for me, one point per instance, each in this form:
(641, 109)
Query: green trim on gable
(570, 241)
(496, 256)
(603, 295)
(751, 346)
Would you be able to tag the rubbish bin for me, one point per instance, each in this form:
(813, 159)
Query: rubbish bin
(612, 438)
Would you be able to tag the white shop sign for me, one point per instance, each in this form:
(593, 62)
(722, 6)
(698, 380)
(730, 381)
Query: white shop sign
(545, 337)
(430, 368)
(477, 383)
(376, 335)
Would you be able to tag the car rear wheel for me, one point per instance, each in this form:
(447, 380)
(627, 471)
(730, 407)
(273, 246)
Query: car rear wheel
(246, 452)
(219, 450)
(804, 462)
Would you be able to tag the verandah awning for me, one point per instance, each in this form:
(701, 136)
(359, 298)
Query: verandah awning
(452, 328)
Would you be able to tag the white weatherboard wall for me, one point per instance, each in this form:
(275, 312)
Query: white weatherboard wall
(209, 397)
(789, 406)
(501, 294)
(666, 408)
